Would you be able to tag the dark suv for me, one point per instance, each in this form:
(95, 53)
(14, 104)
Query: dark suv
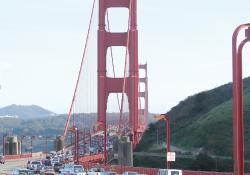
(2, 159)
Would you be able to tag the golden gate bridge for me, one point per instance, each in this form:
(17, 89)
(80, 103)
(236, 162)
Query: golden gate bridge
(133, 122)
(131, 91)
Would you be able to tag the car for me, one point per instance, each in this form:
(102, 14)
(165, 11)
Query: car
(2, 159)
(47, 162)
(29, 166)
(36, 166)
(72, 169)
(55, 160)
(57, 167)
(130, 173)
(96, 171)
(23, 171)
(47, 170)
(110, 173)
(169, 172)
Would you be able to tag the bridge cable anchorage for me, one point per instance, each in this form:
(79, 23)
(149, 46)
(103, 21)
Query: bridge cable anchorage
(125, 68)
(80, 71)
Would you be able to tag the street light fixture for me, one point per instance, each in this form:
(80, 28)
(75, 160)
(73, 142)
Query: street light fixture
(22, 137)
(167, 120)
(238, 122)
(31, 143)
(4, 135)
(76, 144)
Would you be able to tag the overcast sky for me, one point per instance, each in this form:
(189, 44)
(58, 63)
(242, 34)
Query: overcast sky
(187, 45)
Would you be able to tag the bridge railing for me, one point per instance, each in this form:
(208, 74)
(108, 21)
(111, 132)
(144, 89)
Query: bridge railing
(186, 172)
(21, 156)
(149, 171)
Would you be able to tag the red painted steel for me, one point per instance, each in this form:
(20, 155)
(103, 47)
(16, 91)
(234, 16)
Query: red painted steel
(186, 172)
(79, 73)
(74, 130)
(238, 123)
(149, 171)
(91, 158)
(143, 111)
(21, 156)
(107, 85)
(167, 119)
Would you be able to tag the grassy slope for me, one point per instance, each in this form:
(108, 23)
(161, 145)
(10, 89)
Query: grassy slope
(202, 121)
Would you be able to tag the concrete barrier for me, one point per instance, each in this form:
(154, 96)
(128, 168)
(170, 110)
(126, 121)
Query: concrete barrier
(21, 156)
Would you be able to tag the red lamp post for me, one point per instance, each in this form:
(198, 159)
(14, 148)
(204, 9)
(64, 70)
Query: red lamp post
(75, 131)
(31, 143)
(22, 137)
(167, 120)
(238, 122)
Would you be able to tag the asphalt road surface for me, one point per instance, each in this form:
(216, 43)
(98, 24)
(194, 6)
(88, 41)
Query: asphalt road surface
(11, 164)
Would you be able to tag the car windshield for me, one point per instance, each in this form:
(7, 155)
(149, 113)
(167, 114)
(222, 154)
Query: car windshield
(110, 173)
(97, 170)
(132, 173)
(174, 172)
(78, 169)
(25, 172)
(36, 163)
(48, 167)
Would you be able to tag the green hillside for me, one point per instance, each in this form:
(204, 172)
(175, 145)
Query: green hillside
(202, 122)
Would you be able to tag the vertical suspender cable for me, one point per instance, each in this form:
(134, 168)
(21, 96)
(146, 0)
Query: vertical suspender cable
(80, 71)
(112, 58)
(125, 68)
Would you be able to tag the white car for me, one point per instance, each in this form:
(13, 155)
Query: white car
(25, 171)
(36, 166)
(130, 173)
(72, 169)
(96, 171)
(47, 170)
(169, 172)
(55, 160)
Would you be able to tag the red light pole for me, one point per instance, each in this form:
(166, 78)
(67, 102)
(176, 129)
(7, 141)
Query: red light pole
(75, 131)
(167, 120)
(22, 137)
(238, 123)
(46, 144)
(76, 146)
(4, 144)
(31, 143)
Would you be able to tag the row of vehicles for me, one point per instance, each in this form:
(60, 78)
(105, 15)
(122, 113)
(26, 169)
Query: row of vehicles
(2, 159)
(55, 164)
(78, 170)
(49, 166)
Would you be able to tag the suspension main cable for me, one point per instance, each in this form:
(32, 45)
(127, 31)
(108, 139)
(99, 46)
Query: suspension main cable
(80, 71)
(125, 67)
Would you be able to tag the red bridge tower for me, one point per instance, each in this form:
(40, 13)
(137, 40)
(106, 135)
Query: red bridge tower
(107, 85)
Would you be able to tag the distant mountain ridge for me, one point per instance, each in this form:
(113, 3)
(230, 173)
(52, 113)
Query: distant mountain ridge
(25, 112)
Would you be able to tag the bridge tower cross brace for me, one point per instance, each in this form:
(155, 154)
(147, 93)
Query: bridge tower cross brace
(107, 85)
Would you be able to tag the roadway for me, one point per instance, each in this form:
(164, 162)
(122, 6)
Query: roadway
(11, 164)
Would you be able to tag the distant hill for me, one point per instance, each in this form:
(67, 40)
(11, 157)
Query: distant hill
(24, 112)
(202, 122)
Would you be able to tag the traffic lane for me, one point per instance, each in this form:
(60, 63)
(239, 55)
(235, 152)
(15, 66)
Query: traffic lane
(11, 164)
